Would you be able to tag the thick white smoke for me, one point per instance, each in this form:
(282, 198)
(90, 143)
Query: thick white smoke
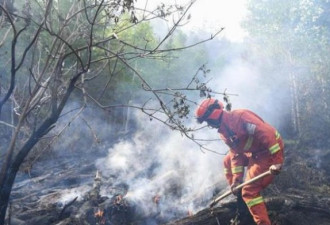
(159, 162)
(262, 93)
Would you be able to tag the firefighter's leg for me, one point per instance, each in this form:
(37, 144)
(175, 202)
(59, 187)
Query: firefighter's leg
(244, 214)
(251, 193)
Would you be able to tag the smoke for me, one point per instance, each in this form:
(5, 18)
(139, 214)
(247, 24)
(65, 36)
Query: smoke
(265, 94)
(158, 163)
(245, 81)
(68, 195)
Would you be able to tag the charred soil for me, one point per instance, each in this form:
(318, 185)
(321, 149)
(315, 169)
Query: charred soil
(72, 192)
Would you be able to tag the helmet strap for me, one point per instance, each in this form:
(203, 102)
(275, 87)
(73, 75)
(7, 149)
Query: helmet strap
(215, 122)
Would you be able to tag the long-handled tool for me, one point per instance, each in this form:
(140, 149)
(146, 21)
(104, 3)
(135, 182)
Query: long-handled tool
(224, 195)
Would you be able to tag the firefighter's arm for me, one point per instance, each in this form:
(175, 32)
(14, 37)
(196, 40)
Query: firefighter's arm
(269, 138)
(227, 168)
(237, 168)
(264, 134)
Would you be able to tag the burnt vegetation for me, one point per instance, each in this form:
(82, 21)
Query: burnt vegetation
(75, 192)
(73, 74)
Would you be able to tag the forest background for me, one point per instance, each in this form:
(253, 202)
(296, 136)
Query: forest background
(101, 80)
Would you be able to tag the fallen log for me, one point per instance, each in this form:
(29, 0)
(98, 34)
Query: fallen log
(294, 209)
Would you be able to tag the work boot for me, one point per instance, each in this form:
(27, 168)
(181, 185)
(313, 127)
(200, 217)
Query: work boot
(244, 215)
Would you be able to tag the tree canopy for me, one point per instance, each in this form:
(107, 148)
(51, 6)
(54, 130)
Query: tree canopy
(295, 35)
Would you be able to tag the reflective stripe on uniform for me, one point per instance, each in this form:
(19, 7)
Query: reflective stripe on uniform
(248, 143)
(237, 169)
(275, 148)
(277, 135)
(255, 201)
(226, 171)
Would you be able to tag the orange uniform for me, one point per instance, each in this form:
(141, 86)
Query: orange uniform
(234, 167)
(246, 133)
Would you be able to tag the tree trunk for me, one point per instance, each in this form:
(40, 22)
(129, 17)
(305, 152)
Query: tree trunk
(9, 172)
(295, 104)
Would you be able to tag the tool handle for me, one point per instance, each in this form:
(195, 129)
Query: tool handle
(224, 195)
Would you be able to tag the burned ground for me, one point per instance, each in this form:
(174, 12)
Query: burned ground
(64, 192)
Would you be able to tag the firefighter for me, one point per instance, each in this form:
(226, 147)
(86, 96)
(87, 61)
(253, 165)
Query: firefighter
(246, 134)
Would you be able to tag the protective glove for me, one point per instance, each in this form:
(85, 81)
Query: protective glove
(233, 186)
(275, 169)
